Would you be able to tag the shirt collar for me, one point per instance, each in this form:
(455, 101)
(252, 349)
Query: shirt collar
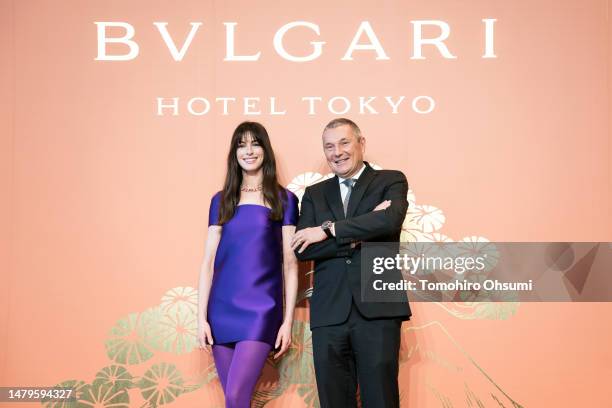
(355, 176)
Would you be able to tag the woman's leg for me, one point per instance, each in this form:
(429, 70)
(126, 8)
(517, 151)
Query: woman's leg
(248, 360)
(222, 353)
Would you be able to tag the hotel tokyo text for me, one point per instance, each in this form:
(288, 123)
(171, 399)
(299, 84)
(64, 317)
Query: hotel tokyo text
(310, 105)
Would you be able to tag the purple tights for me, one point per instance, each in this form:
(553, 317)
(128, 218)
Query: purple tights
(239, 366)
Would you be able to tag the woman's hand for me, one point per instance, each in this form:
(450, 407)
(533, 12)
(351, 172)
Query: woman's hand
(205, 339)
(283, 339)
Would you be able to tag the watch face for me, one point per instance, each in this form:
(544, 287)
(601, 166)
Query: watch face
(326, 226)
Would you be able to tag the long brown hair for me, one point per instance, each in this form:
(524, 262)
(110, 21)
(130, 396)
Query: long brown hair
(271, 189)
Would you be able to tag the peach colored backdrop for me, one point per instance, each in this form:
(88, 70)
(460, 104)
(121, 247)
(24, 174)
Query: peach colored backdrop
(105, 204)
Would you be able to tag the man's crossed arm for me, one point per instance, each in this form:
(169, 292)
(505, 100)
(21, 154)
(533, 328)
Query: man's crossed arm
(310, 241)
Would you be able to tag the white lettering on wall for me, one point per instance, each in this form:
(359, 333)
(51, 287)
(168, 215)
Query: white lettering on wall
(280, 48)
(489, 38)
(230, 54)
(438, 42)
(126, 39)
(176, 54)
(373, 45)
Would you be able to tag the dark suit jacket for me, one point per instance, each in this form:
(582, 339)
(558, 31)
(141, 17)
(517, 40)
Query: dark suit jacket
(337, 276)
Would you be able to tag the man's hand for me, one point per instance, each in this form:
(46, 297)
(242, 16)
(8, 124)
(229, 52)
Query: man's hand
(382, 205)
(303, 238)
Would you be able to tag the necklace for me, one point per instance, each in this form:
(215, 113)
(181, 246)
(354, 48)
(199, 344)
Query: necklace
(249, 189)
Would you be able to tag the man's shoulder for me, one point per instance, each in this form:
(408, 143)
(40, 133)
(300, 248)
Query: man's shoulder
(391, 174)
(319, 185)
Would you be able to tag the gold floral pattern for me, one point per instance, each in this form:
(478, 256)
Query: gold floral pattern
(161, 384)
(177, 299)
(126, 343)
(103, 395)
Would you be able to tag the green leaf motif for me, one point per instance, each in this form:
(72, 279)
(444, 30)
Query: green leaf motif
(174, 332)
(103, 395)
(309, 393)
(116, 376)
(161, 384)
(296, 367)
(78, 386)
(126, 343)
(179, 299)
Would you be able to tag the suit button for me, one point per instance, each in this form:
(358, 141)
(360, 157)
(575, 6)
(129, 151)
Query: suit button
(348, 261)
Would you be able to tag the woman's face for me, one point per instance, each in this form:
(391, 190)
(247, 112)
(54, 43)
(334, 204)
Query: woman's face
(250, 153)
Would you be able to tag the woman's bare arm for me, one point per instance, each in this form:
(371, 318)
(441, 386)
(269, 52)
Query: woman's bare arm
(206, 275)
(290, 278)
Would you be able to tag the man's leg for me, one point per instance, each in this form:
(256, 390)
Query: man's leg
(334, 366)
(376, 346)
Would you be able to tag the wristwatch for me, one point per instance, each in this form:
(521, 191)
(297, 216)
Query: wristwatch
(326, 226)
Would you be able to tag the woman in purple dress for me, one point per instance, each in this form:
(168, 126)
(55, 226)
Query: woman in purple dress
(247, 259)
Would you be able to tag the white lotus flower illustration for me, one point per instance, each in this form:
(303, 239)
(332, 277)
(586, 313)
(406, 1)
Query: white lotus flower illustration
(179, 298)
(437, 237)
(299, 183)
(420, 222)
(411, 198)
(328, 176)
(412, 235)
(427, 217)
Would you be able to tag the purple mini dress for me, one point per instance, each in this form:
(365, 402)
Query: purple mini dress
(246, 297)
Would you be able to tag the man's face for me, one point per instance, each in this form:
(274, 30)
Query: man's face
(344, 153)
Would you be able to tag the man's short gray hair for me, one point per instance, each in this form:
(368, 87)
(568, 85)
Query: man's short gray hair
(342, 122)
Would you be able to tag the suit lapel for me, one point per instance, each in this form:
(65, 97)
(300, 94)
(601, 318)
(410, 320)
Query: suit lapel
(334, 200)
(359, 189)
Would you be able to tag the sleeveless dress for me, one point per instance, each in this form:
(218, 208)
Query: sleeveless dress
(246, 296)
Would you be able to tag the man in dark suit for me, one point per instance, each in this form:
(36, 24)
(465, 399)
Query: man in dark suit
(354, 342)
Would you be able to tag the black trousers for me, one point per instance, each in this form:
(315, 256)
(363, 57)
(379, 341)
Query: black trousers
(359, 351)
